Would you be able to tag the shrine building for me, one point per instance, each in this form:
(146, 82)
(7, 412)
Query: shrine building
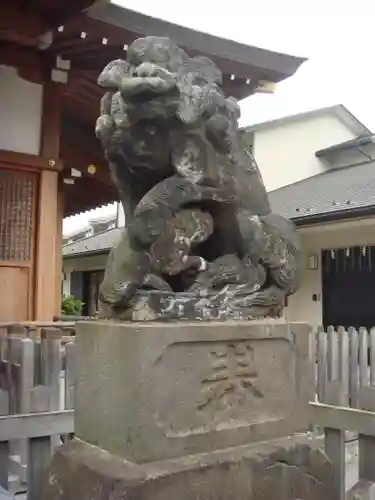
(51, 164)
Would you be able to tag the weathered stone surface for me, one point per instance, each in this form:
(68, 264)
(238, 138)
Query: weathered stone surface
(362, 490)
(192, 193)
(5, 495)
(288, 469)
(151, 391)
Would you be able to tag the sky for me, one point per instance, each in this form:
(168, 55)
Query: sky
(337, 37)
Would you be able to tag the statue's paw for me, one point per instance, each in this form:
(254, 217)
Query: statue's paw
(156, 283)
(174, 267)
(119, 294)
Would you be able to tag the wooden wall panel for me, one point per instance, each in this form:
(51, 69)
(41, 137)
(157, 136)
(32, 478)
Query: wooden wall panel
(15, 285)
(18, 190)
(17, 195)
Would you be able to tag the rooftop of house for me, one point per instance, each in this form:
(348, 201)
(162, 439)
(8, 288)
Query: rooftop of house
(97, 243)
(359, 142)
(94, 224)
(245, 67)
(340, 193)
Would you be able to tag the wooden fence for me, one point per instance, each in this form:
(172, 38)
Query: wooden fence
(345, 399)
(36, 402)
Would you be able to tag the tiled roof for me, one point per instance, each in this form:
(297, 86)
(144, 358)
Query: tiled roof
(100, 242)
(341, 190)
(362, 140)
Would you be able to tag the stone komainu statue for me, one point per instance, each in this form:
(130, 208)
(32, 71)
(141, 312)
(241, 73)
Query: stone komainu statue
(201, 240)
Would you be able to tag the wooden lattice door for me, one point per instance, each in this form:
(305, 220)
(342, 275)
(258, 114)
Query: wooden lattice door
(17, 231)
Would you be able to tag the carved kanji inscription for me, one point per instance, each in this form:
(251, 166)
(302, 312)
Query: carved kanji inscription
(232, 376)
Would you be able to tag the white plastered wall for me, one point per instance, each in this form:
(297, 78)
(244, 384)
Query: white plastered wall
(20, 112)
(285, 152)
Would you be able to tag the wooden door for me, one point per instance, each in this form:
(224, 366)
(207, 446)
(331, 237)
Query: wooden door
(17, 230)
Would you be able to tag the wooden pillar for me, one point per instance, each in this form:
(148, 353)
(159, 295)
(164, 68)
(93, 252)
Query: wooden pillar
(60, 216)
(48, 252)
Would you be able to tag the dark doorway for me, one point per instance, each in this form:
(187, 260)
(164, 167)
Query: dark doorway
(76, 285)
(348, 285)
(85, 292)
(95, 279)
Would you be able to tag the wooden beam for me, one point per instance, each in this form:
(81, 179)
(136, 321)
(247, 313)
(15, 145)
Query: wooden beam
(45, 279)
(85, 195)
(343, 418)
(88, 97)
(36, 425)
(81, 109)
(81, 159)
(20, 27)
(71, 9)
(99, 29)
(91, 85)
(50, 138)
(76, 75)
(48, 210)
(32, 161)
(80, 148)
(58, 243)
(27, 61)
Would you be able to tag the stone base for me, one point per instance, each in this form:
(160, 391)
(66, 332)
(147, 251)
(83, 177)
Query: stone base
(150, 391)
(287, 469)
(362, 490)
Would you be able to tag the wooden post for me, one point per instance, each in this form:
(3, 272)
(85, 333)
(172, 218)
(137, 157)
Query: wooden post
(48, 257)
(334, 440)
(38, 461)
(353, 367)
(60, 216)
(366, 443)
(334, 443)
(45, 279)
(322, 366)
(4, 464)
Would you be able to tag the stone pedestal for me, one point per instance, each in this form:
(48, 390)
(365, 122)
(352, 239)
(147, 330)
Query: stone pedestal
(183, 410)
(286, 469)
(148, 392)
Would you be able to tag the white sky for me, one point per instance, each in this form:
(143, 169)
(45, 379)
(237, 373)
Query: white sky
(338, 37)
